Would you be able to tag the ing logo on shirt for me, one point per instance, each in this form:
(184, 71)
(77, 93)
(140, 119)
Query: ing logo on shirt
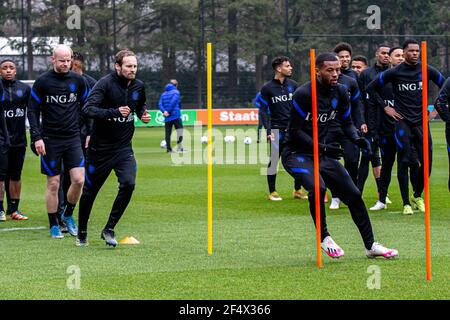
(410, 86)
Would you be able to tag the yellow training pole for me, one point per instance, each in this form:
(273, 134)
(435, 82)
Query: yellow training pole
(209, 105)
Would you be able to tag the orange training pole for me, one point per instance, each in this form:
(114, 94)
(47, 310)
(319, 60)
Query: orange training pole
(312, 55)
(426, 163)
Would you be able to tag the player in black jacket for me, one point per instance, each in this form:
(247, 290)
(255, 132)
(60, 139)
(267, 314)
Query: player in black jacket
(381, 64)
(351, 151)
(57, 96)
(406, 81)
(442, 106)
(4, 145)
(85, 126)
(344, 53)
(332, 101)
(276, 99)
(385, 128)
(112, 103)
(16, 96)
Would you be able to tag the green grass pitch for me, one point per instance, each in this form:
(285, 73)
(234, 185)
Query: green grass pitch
(261, 249)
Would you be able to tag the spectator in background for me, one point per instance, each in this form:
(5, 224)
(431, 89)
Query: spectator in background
(170, 105)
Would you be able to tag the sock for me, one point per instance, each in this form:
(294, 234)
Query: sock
(53, 219)
(378, 180)
(1, 206)
(68, 210)
(13, 205)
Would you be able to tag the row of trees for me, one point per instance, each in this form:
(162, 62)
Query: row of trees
(246, 34)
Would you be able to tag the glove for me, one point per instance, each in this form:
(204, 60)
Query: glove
(362, 143)
(332, 150)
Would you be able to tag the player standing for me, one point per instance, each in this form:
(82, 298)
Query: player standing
(15, 101)
(57, 96)
(406, 81)
(276, 100)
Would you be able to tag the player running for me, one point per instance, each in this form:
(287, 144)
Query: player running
(112, 103)
(332, 101)
(406, 79)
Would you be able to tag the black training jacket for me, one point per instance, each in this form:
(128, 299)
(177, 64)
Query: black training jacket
(110, 130)
(332, 101)
(58, 98)
(16, 96)
(276, 98)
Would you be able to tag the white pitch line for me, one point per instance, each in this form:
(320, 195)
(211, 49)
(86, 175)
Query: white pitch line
(21, 229)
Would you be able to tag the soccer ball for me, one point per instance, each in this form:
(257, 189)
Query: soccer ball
(229, 139)
(163, 144)
(204, 139)
(247, 140)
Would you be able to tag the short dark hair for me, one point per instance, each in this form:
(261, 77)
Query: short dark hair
(383, 45)
(341, 46)
(362, 59)
(325, 56)
(394, 48)
(278, 61)
(6, 60)
(122, 54)
(408, 42)
(78, 56)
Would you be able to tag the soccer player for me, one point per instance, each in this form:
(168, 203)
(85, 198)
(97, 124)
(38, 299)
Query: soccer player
(332, 101)
(276, 100)
(385, 130)
(335, 133)
(442, 106)
(85, 125)
(406, 79)
(169, 104)
(344, 53)
(112, 103)
(381, 64)
(359, 64)
(15, 101)
(57, 96)
(257, 103)
(4, 144)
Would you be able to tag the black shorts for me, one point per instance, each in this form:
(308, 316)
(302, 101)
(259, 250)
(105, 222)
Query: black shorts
(16, 158)
(100, 164)
(58, 151)
(3, 162)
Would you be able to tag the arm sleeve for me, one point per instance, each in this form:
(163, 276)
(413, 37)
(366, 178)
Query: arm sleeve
(344, 110)
(265, 110)
(92, 107)
(302, 107)
(34, 111)
(435, 76)
(374, 89)
(357, 105)
(142, 105)
(443, 100)
(160, 104)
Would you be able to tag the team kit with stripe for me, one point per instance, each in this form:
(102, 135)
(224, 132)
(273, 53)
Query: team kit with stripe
(64, 108)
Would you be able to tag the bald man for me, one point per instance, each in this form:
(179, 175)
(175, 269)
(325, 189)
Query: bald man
(57, 96)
